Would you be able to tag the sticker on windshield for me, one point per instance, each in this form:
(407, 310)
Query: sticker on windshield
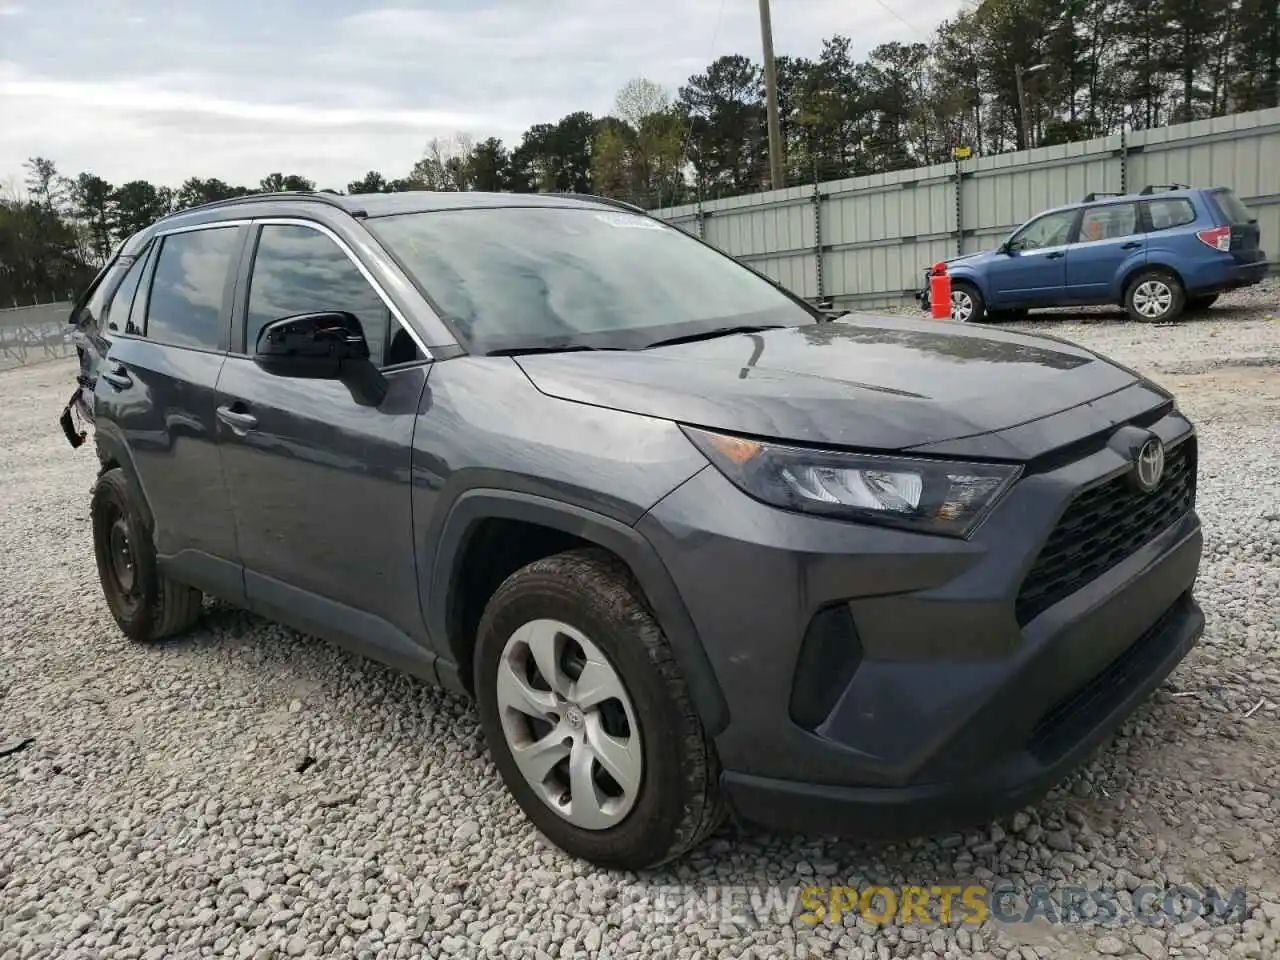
(628, 221)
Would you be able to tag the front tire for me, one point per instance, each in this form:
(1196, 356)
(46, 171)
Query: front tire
(588, 718)
(967, 305)
(1154, 296)
(145, 603)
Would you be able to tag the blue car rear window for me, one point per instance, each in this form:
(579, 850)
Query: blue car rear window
(1170, 212)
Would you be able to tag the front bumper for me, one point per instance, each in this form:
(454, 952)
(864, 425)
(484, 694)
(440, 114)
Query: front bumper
(1069, 736)
(922, 295)
(937, 697)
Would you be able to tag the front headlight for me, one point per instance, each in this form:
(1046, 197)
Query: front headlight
(930, 496)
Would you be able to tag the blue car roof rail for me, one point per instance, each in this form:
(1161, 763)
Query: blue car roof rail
(1151, 188)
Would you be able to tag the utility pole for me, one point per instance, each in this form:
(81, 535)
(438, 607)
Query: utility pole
(1024, 120)
(771, 98)
(1022, 109)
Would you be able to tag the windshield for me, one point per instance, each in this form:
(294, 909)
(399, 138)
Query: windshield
(1237, 213)
(529, 277)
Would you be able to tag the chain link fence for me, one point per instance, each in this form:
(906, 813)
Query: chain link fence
(34, 334)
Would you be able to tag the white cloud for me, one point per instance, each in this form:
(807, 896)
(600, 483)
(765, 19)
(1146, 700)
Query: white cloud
(152, 128)
(159, 94)
(10, 9)
(350, 91)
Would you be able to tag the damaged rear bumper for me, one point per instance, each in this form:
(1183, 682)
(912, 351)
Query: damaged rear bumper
(76, 413)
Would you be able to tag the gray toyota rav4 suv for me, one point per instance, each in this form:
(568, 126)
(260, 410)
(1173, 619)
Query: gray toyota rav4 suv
(696, 547)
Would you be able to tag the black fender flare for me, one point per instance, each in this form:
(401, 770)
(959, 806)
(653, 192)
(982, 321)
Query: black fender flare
(113, 450)
(476, 505)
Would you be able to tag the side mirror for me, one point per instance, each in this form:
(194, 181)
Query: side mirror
(311, 345)
(321, 346)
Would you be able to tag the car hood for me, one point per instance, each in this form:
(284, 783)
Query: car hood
(970, 259)
(883, 383)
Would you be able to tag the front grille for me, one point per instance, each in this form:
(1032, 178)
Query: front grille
(1103, 526)
(1070, 719)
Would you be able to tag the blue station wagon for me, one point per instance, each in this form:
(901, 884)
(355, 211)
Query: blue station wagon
(1156, 253)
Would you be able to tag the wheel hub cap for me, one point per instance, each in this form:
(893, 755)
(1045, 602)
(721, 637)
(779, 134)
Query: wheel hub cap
(961, 306)
(569, 724)
(1152, 298)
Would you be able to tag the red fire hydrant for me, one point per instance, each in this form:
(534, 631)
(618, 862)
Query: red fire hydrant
(939, 292)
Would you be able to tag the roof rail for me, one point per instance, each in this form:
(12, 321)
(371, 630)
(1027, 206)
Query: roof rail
(1090, 197)
(621, 204)
(1151, 188)
(316, 195)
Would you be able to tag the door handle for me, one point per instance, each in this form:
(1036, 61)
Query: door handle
(237, 420)
(1055, 255)
(1131, 245)
(118, 376)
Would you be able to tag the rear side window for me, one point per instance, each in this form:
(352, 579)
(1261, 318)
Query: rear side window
(90, 308)
(118, 310)
(1108, 222)
(185, 306)
(1170, 212)
(1235, 212)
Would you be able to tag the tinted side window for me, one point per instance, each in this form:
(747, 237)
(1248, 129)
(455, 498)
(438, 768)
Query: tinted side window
(300, 270)
(117, 312)
(1108, 222)
(185, 308)
(90, 308)
(1173, 212)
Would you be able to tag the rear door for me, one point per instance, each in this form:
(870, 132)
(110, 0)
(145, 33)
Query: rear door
(1171, 223)
(1034, 271)
(169, 324)
(1109, 241)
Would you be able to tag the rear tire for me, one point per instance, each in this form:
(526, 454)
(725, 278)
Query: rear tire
(1201, 303)
(967, 305)
(1154, 296)
(146, 604)
(583, 610)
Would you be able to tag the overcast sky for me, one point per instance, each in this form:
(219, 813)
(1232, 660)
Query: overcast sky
(166, 89)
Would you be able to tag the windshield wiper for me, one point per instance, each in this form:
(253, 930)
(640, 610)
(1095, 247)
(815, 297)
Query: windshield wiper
(717, 332)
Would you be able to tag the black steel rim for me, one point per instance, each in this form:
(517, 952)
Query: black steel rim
(121, 565)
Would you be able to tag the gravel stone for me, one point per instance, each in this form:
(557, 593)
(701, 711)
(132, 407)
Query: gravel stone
(155, 810)
(1059, 840)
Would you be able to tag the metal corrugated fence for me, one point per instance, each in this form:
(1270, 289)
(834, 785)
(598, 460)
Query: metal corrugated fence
(33, 334)
(864, 241)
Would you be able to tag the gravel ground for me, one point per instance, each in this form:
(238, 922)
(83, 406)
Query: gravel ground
(249, 792)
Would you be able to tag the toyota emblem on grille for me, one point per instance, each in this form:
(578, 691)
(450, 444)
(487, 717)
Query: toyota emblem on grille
(1149, 465)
